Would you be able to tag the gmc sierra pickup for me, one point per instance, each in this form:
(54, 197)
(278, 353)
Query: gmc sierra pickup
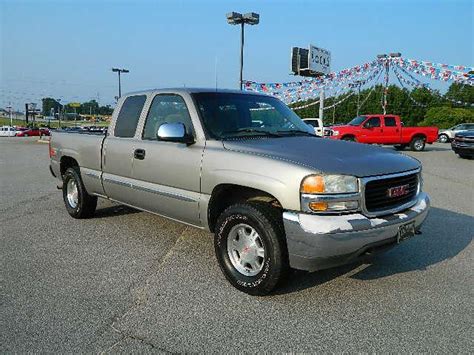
(246, 168)
(387, 130)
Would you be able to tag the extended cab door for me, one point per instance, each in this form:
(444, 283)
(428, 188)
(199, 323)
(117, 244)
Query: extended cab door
(371, 130)
(167, 174)
(118, 150)
(391, 130)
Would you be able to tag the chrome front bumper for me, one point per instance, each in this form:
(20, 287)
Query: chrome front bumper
(318, 242)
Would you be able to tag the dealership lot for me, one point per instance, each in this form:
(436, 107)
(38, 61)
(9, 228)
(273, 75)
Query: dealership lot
(131, 281)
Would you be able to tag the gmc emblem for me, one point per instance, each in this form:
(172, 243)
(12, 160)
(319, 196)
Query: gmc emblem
(398, 191)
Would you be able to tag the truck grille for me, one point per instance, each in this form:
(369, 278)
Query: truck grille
(390, 193)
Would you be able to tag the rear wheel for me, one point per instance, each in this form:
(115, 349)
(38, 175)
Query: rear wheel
(417, 144)
(443, 138)
(79, 203)
(349, 138)
(250, 247)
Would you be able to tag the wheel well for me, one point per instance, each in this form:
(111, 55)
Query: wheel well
(225, 195)
(66, 163)
(348, 136)
(418, 135)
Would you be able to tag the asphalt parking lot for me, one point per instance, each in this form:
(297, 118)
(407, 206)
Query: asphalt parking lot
(130, 281)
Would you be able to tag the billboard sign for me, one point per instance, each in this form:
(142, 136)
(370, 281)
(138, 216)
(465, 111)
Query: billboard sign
(319, 60)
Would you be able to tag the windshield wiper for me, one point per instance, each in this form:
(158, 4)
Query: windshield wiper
(251, 130)
(297, 131)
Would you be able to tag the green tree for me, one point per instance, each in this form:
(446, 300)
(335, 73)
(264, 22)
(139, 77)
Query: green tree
(49, 103)
(89, 108)
(445, 116)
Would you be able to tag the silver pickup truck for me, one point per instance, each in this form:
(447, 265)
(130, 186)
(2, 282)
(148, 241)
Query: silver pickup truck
(246, 168)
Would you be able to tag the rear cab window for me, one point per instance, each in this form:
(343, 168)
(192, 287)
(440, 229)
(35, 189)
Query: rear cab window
(390, 121)
(127, 119)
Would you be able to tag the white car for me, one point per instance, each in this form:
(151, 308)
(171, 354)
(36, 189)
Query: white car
(317, 124)
(447, 135)
(7, 131)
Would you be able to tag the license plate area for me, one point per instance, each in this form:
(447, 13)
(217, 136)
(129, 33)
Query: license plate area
(406, 231)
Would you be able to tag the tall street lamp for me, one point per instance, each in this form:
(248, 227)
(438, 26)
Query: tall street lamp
(119, 71)
(235, 18)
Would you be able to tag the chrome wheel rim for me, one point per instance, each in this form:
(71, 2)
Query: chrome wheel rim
(443, 138)
(419, 144)
(72, 193)
(245, 249)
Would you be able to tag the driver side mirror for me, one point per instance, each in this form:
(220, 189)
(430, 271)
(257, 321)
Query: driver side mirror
(367, 125)
(174, 132)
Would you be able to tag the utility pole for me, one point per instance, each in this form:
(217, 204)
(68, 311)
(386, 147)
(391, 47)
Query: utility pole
(59, 113)
(359, 82)
(119, 71)
(10, 113)
(386, 59)
(321, 103)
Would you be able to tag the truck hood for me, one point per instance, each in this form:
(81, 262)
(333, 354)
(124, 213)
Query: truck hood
(328, 156)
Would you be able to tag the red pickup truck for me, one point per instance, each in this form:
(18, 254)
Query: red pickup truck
(384, 129)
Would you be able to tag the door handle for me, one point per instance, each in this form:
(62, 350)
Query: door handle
(139, 154)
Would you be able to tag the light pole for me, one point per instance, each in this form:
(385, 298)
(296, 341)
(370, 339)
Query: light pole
(119, 71)
(235, 18)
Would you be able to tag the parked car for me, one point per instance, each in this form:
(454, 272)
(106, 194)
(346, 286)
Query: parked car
(275, 195)
(317, 124)
(7, 131)
(447, 135)
(387, 130)
(30, 132)
(463, 144)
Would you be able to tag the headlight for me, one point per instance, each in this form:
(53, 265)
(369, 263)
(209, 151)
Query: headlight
(330, 193)
(329, 184)
(335, 133)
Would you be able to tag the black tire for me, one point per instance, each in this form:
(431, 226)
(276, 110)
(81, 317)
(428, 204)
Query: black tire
(443, 138)
(267, 222)
(465, 156)
(86, 204)
(400, 146)
(348, 138)
(417, 143)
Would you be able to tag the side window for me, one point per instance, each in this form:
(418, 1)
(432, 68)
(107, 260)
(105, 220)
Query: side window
(459, 127)
(372, 122)
(469, 126)
(129, 114)
(390, 122)
(313, 123)
(169, 109)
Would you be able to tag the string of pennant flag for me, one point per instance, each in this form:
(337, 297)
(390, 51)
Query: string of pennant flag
(303, 90)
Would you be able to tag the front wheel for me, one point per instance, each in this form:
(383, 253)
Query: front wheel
(250, 247)
(417, 144)
(79, 203)
(443, 138)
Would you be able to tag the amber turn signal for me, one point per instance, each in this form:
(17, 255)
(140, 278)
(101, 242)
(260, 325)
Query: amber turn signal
(312, 185)
(318, 206)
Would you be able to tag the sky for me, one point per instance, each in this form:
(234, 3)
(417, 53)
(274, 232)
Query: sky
(66, 49)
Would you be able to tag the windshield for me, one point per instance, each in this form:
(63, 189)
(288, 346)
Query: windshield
(228, 115)
(357, 121)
